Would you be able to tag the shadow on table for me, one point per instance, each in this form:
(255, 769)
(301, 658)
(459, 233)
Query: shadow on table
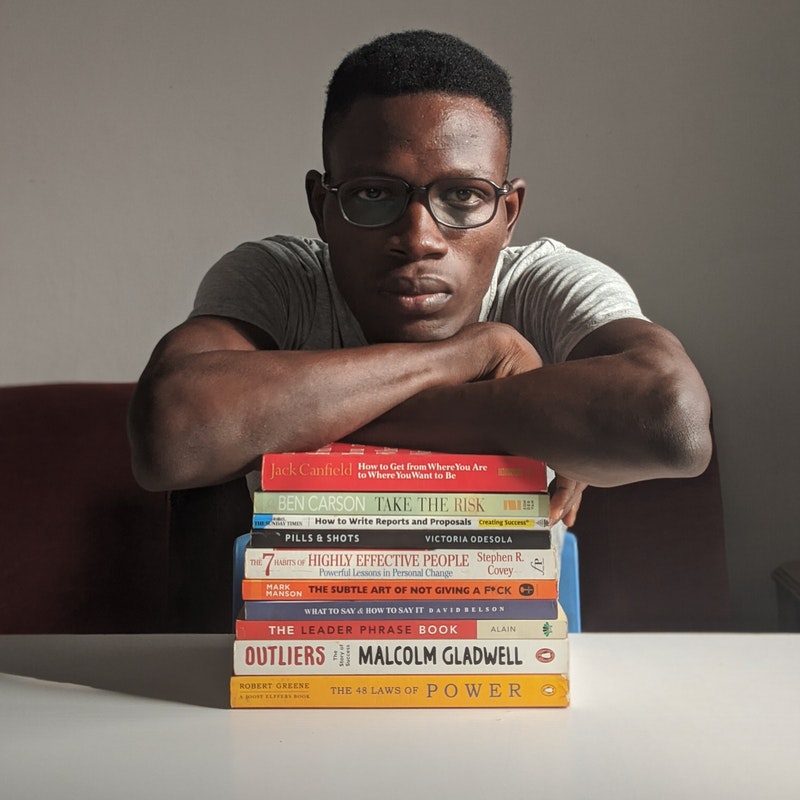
(178, 668)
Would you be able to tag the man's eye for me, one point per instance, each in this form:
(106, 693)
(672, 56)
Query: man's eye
(464, 196)
(370, 193)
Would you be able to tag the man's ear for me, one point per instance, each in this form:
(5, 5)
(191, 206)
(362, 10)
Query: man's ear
(513, 205)
(315, 194)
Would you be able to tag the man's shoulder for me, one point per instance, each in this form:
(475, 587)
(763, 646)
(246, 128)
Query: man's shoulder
(260, 272)
(535, 252)
(555, 295)
(548, 259)
(282, 247)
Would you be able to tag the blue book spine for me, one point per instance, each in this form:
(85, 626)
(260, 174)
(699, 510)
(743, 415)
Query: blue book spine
(354, 609)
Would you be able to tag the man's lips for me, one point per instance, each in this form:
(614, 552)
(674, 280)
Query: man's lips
(424, 295)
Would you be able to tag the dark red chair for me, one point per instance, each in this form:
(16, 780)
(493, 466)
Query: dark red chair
(83, 548)
(652, 556)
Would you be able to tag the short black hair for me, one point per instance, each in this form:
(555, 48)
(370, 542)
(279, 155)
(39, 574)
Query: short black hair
(411, 62)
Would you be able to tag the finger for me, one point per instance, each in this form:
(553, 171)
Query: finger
(571, 515)
(565, 500)
(556, 500)
(560, 502)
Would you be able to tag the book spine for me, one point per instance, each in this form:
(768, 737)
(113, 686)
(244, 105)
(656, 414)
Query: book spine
(487, 504)
(399, 656)
(388, 537)
(400, 472)
(317, 523)
(401, 691)
(299, 589)
(479, 564)
(356, 610)
(403, 629)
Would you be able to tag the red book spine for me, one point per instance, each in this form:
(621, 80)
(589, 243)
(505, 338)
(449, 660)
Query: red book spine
(363, 469)
(378, 629)
(402, 628)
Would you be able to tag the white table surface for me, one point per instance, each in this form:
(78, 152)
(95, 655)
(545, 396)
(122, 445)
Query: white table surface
(653, 716)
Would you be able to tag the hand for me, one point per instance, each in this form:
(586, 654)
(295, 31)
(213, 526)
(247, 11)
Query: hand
(499, 350)
(565, 500)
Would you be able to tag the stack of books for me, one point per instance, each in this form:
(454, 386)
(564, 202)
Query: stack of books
(382, 577)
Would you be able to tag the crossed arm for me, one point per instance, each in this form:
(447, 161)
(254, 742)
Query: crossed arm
(628, 405)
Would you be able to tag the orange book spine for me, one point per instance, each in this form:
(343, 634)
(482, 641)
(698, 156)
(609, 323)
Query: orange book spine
(296, 589)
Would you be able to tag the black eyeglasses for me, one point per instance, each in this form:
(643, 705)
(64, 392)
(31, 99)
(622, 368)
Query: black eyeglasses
(453, 202)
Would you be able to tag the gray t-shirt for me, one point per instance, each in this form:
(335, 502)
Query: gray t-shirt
(283, 285)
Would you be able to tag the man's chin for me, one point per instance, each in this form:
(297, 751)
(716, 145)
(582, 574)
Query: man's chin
(414, 331)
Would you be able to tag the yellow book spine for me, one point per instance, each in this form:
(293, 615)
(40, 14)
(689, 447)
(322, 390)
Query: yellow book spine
(400, 691)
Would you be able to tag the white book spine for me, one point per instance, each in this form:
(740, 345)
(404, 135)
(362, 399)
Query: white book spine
(319, 564)
(364, 522)
(409, 656)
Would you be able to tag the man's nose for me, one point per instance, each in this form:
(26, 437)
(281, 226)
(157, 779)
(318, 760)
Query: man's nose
(417, 235)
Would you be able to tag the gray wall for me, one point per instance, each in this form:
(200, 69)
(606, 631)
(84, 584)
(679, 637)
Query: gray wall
(141, 140)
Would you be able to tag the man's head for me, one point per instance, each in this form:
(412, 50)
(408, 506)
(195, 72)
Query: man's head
(413, 62)
(415, 204)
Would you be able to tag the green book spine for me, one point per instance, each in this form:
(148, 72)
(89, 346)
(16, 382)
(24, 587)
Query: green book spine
(401, 503)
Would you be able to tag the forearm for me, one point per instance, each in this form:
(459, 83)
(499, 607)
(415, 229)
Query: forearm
(203, 418)
(604, 420)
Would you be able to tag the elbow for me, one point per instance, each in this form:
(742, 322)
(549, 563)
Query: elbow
(178, 443)
(687, 454)
(149, 478)
(149, 466)
(157, 466)
(682, 432)
(155, 452)
(149, 473)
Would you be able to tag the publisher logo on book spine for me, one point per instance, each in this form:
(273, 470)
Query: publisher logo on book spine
(545, 655)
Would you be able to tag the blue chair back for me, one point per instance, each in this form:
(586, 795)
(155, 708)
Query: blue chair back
(569, 589)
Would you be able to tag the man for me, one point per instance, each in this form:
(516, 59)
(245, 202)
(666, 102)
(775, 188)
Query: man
(411, 321)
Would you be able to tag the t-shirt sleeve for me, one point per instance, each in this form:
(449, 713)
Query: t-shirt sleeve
(555, 296)
(270, 284)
